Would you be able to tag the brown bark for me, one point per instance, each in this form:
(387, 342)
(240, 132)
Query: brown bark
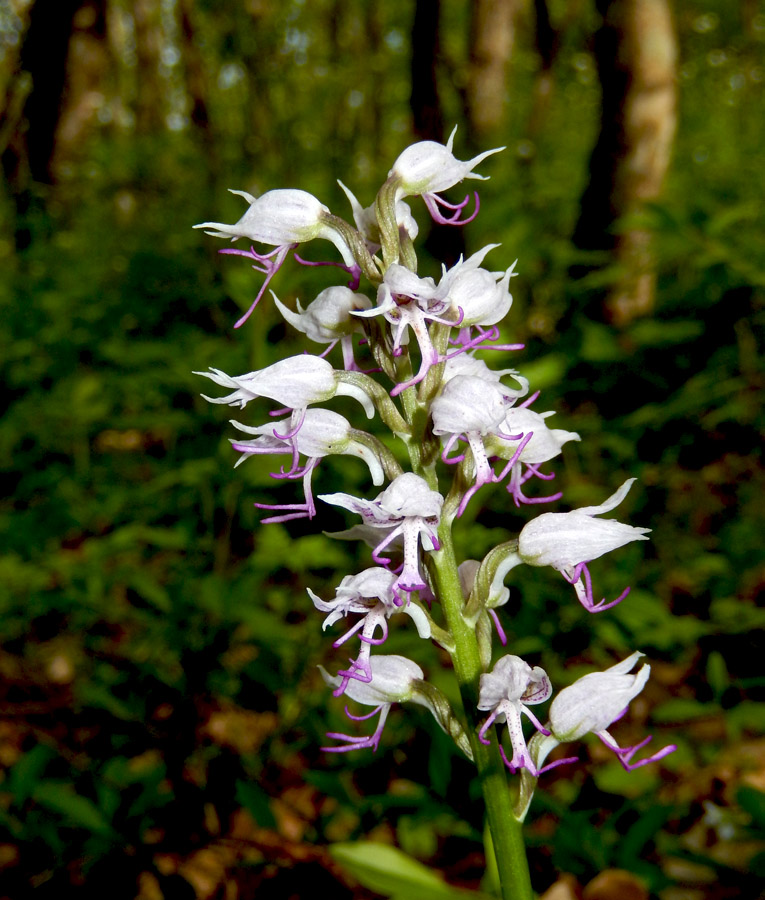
(86, 91)
(636, 52)
(492, 33)
(148, 45)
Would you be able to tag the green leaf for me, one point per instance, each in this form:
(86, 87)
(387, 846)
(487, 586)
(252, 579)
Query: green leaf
(146, 586)
(255, 800)
(658, 333)
(753, 801)
(717, 674)
(748, 716)
(61, 797)
(600, 344)
(27, 772)
(545, 371)
(684, 710)
(393, 874)
(90, 693)
(613, 779)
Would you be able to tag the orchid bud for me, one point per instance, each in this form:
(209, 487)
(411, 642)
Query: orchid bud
(365, 219)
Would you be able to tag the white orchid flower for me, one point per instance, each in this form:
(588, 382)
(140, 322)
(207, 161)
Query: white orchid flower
(507, 691)
(370, 594)
(595, 701)
(407, 507)
(568, 541)
(295, 383)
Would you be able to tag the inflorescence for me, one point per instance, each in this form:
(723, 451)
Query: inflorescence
(455, 416)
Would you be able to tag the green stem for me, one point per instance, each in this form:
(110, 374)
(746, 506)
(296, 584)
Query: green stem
(506, 831)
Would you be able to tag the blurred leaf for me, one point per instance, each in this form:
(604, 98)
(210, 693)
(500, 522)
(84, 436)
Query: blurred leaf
(388, 871)
(753, 801)
(613, 779)
(650, 623)
(684, 710)
(732, 215)
(60, 797)
(747, 717)
(27, 772)
(732, 616)
(656, 333)
(717, 674)
(417, 836)
(146, 586)
(91, 693)
(645, 829)
(600, 344)
(254, 799)
(545, 371)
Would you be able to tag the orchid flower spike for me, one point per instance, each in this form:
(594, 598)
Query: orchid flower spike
(596, 701)
(507, 691)
(568, 541)
(365, 219)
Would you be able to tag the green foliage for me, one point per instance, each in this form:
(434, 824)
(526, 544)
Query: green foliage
(388, 871)
(159, 646)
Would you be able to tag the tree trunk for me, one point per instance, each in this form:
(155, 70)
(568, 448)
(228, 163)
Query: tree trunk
(547, 43)
(196, 77)
(425, 103)
(444, 242)
(636, 53)
(87, 90)
(42, 68)
(492, 33)
(149, 115)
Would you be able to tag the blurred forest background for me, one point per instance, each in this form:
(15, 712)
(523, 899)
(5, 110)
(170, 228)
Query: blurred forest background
(160, 707)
